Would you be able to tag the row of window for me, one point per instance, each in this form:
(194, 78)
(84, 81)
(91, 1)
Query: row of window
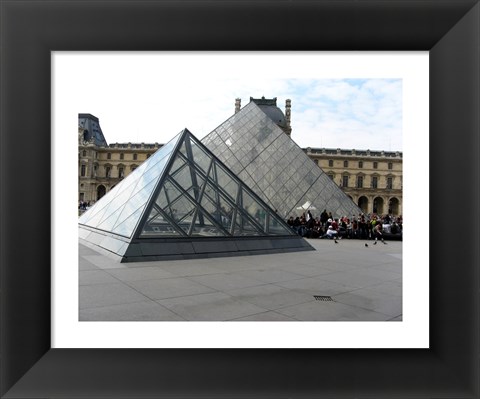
(108, 171)
(109, 155)
(359, 183)
(360, 164)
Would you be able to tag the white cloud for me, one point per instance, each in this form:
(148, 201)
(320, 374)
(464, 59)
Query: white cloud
(151, 97)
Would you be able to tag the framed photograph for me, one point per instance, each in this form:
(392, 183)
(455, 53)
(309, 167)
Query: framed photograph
(389, 95)
(32, 36)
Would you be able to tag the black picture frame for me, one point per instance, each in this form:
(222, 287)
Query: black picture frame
(30, 30)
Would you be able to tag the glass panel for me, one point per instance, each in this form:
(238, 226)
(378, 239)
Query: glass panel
(161, 199)
(135, 202)
(158, 226)
(243, 227)
(181, 211)
(171, 192)
(184, 177)
(226, 182)
(183, 149)
(126, 227)
(254, 208)
(203, 227)
(200, 157)
(115, 206)
(219, 208)
(108, 222)
(275, 227)
(177, 164)
(151, 174)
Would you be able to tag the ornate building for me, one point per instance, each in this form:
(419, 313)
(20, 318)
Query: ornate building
(372, 179)
(102, 166)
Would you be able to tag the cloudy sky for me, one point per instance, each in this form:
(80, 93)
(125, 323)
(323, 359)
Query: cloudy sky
(149, 97)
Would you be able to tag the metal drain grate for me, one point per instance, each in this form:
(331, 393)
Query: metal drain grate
(322, 298)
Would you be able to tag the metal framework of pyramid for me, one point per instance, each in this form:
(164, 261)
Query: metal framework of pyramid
(275, 167)
(185, 203)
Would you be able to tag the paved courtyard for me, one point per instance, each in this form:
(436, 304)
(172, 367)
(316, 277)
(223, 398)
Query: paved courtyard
(361, 284)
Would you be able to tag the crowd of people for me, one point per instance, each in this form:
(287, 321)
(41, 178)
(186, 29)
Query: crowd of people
(364, 226)
(83, 205)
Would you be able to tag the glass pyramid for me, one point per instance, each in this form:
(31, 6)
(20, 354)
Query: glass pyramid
(181, 194)
(270, 162)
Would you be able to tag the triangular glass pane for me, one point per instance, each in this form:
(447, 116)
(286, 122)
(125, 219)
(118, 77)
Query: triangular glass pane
(125, 228)
(218, 208)
(255, 209)
(158, 226)
(275, 227)
(171, 191)
(177, 164)
(151, 175)
(162, 200)
(139, 200)
(200, 157)
(203, 227)
(181, 212)
(183, 149)
(184, 177)
(243, 227)
(226, 182)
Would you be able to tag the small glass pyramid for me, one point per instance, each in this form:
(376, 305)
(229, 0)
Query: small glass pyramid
(276, 169)
(182, 193)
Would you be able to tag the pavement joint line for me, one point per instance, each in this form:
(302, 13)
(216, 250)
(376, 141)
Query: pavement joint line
(114, 304)
(255, 263)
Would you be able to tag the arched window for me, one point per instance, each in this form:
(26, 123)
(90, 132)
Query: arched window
(363, 204)
(345, 164)
(330, 162)
(101, 190)
(121, 155)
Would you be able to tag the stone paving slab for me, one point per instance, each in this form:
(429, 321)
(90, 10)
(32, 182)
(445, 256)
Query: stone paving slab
(365, 284)
(331, 311)
(140, 274)
(139, 311)
(271, 275)
(91, 277)
(271, 296)
(266, 316)
(169, 288)
(226, 281)
(372, 300)
(97, 295)
(215, 306)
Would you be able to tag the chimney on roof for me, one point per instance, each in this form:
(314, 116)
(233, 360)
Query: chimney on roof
(288, 109)
(238, 102)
